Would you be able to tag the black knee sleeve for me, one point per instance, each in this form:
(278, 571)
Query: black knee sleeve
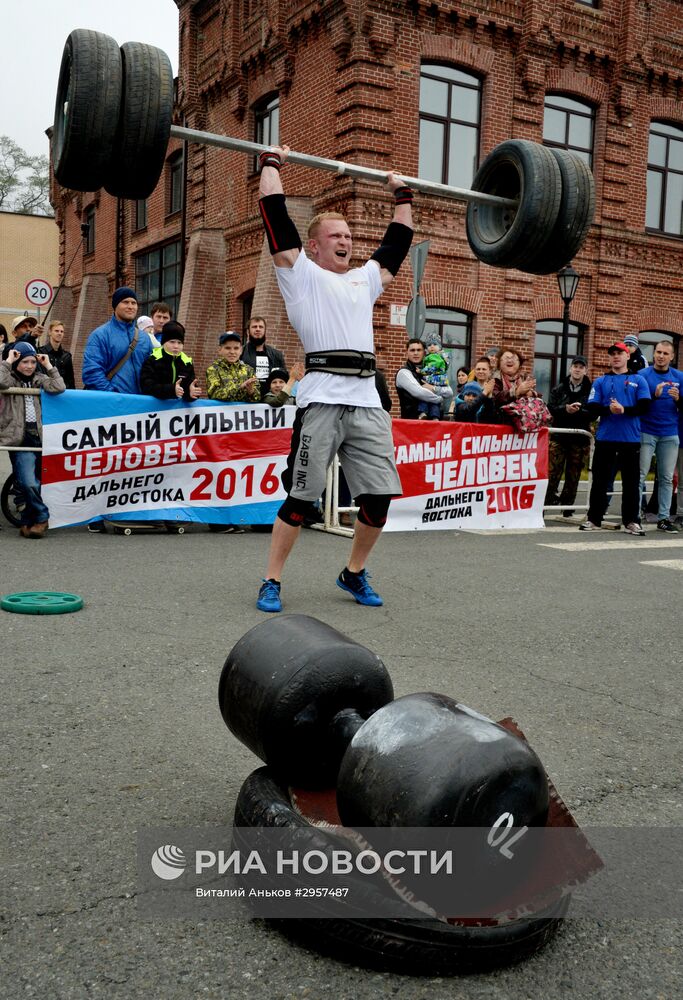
(373, 509)
(295, 512)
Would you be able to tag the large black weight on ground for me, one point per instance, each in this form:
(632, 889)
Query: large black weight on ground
(425, 760)
(294, 690)
(317, 708)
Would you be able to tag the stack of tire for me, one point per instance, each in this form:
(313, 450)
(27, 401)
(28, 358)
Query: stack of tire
(318, 709)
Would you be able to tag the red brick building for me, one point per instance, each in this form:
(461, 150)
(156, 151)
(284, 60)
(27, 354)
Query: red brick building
(426, 88)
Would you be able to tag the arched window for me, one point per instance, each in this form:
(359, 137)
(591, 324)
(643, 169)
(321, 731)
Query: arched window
(450, 118)
(454, 330)
(664, 211)
(648, 338)
(547, 351)
(569, 124)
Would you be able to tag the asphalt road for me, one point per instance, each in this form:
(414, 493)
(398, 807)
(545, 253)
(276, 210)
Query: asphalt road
(112, 724)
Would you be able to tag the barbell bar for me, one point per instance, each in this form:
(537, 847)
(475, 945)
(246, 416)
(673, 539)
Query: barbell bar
(340, 167)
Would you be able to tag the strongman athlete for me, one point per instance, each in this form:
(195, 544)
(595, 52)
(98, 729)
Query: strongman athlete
(339, 411)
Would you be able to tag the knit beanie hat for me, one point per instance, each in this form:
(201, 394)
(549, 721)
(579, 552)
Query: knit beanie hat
(122, 293)
(24, 349)
(276, 373)
(172, 331)
(144, 323)
(472, 388)
(433, 338)
(631, 340)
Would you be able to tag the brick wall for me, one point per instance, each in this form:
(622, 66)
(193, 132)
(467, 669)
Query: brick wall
(348, 79)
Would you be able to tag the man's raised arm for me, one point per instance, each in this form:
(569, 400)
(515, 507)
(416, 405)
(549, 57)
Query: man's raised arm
(283, 239)
(398, 237)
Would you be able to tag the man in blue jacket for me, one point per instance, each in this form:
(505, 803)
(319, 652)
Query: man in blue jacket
(659, 428)
(116, 351)
(619, 399)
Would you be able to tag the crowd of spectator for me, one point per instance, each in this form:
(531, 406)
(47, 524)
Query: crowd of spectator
(637, 406)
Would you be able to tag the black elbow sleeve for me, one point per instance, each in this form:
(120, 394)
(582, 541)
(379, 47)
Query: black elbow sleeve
(281, 232)
(394, 247)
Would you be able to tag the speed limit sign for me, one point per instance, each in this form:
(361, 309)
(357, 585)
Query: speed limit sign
(38, 292)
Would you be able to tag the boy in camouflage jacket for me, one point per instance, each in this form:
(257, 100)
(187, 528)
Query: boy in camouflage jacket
(228, 378)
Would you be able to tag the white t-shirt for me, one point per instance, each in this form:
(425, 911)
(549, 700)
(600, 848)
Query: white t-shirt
(332, 312)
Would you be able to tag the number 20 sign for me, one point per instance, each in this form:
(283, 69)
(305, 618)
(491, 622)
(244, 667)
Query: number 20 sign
(38, 292)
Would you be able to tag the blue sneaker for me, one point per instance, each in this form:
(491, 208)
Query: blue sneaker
(269, 596)
(357, 585)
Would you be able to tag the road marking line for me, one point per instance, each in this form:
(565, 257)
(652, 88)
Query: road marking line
(633, 542)
(666, 563)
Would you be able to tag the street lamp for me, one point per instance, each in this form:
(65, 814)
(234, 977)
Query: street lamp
(568, 281)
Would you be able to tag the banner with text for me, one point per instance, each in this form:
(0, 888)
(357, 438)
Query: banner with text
(468, 476)
(135, 458)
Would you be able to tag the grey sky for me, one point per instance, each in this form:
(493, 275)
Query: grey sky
(34, 32)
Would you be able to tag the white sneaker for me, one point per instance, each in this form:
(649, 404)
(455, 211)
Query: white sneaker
(633, 529)
(589, 526)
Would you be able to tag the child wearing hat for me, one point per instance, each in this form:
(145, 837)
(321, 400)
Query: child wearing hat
(168, 373)
(21, 425)
(278, 386)
(637, 360)
(434, 371)
(474, 404)
(228, 378)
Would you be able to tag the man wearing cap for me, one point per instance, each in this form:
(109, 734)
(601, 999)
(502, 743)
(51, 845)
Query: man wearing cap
(659, 428)
(637, 360)
(116, 351)
(24, 328)
(619, 399)
(567, 453)
(228, 378)
(259, 355)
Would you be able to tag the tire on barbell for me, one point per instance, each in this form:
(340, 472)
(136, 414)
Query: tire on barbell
(86, 110)
(420, 947)
(577, 207)
(285, 681)
(144, 123)
(517, 168)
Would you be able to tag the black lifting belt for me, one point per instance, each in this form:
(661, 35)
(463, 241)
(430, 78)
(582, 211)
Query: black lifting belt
(360, 363)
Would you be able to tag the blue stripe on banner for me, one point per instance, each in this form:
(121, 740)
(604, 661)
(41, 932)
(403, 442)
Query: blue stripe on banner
(260, 513)
(79, 404)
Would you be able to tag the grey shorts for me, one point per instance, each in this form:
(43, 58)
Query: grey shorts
(361, 435)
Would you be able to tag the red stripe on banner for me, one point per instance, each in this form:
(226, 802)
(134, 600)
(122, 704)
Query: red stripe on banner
(141, 456)
(438, 456)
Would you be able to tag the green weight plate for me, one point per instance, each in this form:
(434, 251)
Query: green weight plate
(41, 602)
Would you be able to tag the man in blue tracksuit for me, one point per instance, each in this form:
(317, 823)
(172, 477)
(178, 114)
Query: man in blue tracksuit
(117, 341)
(659, 428)
(619, 399)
